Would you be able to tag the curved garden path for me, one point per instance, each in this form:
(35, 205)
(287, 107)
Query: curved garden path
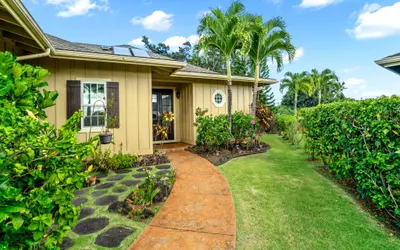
(199, 214)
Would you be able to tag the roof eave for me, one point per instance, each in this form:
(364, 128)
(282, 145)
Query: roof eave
(83, 56)
(20, 13)
(222, 77)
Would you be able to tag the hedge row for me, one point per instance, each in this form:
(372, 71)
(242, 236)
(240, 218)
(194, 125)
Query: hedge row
(360, 140)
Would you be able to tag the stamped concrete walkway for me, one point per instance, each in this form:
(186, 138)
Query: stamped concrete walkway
(199, 213)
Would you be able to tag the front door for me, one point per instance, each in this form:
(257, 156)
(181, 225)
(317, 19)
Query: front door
(162, 101)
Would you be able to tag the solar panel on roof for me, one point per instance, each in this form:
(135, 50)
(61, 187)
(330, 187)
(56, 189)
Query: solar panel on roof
(105, 47)
(139, 52)
(122, 51)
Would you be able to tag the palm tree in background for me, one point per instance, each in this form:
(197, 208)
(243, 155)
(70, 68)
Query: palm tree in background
(267, 41)
(224, 31)
(322, 81)
(295, 83)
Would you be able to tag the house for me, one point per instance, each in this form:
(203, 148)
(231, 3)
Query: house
(140, 83)
(391, 63)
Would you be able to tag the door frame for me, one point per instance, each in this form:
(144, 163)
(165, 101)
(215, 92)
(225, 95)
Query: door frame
(173, 111)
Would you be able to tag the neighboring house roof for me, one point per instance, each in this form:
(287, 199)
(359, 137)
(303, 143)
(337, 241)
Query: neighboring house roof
(391, 63)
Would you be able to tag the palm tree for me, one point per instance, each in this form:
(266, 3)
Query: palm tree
(224, 31)
(267, 41)
(322, 81)
(295, 83)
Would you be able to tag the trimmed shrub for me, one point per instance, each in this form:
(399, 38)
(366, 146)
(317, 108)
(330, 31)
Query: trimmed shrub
(243, 127)
(289, 128)
(359, 140)
(40, 167)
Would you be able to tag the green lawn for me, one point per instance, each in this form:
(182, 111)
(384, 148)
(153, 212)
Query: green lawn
(281, 202)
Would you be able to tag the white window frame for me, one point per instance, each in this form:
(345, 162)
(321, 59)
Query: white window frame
(94, 128)
(222, 93)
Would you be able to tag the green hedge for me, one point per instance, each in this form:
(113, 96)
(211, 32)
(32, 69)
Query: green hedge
(360, 140)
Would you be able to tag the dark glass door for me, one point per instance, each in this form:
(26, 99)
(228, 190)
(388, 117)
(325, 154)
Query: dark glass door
(162, 101)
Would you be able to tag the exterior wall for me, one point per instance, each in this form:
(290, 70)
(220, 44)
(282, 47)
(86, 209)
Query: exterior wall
(135, 132)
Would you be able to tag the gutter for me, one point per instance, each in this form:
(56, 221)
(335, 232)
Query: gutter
(34, 56)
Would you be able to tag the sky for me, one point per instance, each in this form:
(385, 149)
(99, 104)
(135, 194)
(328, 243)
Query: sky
(346, 36)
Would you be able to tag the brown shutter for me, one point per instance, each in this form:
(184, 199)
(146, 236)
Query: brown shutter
(73, 98)
(113, 93)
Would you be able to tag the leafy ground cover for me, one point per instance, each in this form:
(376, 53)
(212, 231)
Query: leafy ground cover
(282, 202)
(98, 228)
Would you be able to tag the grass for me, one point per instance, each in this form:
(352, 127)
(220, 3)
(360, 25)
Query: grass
(281, 202)
(87, 241)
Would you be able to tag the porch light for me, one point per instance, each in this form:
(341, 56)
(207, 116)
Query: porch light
(178, 94)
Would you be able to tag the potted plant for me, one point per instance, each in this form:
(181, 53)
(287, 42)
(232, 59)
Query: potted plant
(111, 122)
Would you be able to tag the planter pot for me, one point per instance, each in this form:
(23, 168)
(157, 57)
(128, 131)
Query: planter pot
(105, 138)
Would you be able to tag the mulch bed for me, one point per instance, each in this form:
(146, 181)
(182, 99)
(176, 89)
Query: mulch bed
(365, 204)
(90, 226)
(113, 237)
(151, 160)
(221, 156)
(106, 200)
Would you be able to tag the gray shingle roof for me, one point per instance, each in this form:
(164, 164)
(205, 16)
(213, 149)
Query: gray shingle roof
(398, 54)
(62, 44)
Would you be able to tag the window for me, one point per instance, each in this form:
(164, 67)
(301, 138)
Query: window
(94, 104)
(218, 98)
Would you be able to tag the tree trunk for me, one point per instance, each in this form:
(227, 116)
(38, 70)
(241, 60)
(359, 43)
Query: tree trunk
(255, 90)
(229, 75)
(295, 104)
(319, 96)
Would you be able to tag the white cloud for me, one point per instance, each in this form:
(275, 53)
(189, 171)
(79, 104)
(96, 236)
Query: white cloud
(176, 41)
(375, 21)
(70, 8)
(377, 93)
(351, 69)
(317, 3)
(353, 82)
(157, 21)
(137, 42)
(299, 54)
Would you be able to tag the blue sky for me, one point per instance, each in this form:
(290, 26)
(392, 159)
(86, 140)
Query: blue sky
(343, 35)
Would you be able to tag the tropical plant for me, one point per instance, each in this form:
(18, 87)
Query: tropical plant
(295, 83)
(266, 97)
(40, 166)
(268, 41)
(224, 31)
(167, 118)
(323, 81)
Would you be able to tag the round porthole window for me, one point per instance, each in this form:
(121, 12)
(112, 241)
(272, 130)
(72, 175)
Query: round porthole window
(218, 98)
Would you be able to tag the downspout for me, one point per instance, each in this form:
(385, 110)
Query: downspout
(33, 56)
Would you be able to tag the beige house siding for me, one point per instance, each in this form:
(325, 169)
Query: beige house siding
(135, 132)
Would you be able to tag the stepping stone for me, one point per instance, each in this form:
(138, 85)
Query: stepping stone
(85, 212)
(90, 225)
(131, 183)
(101, 175)
(163, 166)
(116, 178)
(98, 193)
(106, 200)
(105, 185)
(119, 190)
(113, 237)
(67, 243)
(122, 171)
(81, 192)
(163, 172)
(79, 201)
(142, 169)
(138, 176)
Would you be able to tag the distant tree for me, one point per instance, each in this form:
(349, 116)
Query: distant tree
(210, 58)
(267, 97)
(296, 83)
(321, 82)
